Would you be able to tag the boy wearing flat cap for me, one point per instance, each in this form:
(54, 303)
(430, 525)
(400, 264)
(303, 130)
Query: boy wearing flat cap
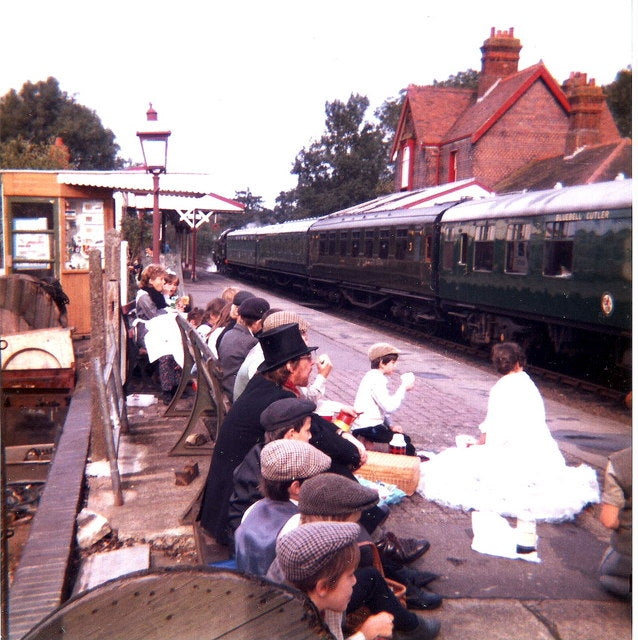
(288, 418)
(285, 464)
(319, 559)
(330, 497)
(374, 403)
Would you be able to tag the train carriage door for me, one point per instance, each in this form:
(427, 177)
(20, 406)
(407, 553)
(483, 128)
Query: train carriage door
(384, 243)
(517, 248)
(559, 249)
(484, 247)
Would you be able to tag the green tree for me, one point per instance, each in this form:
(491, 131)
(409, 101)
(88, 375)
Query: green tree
(255, 210)
(344, 166)
(619, 101)
(22, 154)
(38, 114)
(286, 206)
(467, 79)
(388, 115)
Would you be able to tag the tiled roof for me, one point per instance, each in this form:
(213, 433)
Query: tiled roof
(433, 110)
(486, 111)
(599, 163)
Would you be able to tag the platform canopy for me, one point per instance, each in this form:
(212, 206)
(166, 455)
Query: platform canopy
(178, 191)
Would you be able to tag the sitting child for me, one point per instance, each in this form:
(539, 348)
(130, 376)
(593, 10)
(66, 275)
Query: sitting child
(288, 418)
(330, 497)
(285, 464)
(320, 559)
(374, 403)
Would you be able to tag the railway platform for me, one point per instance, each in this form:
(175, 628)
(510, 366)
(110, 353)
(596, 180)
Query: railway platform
(485, 597)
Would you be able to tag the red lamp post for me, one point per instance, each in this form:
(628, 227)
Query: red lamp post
(154, 142)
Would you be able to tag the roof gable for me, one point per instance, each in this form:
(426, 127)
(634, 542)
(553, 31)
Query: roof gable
(432, 110)
(488, 109)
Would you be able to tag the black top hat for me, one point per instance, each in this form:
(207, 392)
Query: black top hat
(281, 345)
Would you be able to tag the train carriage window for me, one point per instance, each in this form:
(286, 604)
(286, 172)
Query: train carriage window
(484, 247)
(384, 243)
(517, 249)
(401, 246)
(368, 244)
(356, 242)
(559, 247)
(448, 249)
(463, 248)
(332, 242)
(323, 245)
(343, 243)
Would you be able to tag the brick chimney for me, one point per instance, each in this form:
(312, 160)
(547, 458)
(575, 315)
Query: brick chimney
(586, 101)
(500, 58)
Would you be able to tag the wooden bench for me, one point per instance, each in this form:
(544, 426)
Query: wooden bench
(209, 401)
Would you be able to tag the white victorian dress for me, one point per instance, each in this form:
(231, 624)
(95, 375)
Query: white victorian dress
(519, 471)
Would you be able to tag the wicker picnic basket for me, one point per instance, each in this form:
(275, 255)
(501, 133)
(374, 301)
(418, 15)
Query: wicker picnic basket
(402, 471)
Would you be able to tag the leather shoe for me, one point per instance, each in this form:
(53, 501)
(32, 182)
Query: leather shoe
(407, 575)
(425, 630)
(421, 599)
(402, 550)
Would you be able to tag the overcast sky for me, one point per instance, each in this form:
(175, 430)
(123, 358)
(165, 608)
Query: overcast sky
(243, 84)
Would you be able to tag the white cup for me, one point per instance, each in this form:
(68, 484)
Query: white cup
(407, 378)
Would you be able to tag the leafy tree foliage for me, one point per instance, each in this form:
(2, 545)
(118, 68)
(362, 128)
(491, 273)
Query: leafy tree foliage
(286, 206)
(40, 113)
(388, 115)
(344, 166)
(619, 101)
(22, 154)
(467, 79)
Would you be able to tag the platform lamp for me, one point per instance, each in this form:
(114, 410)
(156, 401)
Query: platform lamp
(154, 143)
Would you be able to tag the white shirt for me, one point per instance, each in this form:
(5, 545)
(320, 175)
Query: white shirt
(374, 400)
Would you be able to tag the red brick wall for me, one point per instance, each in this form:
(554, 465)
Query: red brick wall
(534, 127)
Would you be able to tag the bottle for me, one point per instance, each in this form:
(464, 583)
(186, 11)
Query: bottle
(397, 444)
(525, 535)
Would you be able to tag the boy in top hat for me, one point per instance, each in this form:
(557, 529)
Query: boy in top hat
(374, 403)
(287, 419)
(285, 464)
(286, 358)
(320, 559)
(238, 341)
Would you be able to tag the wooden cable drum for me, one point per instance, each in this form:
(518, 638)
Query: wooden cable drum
(184, 603)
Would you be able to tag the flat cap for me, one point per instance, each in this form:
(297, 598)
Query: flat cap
(330, 494)
(253, 308)
(279, 318)
(240, 296)
(285, 460)
(380, 349)
(283, 413)
(306, 550)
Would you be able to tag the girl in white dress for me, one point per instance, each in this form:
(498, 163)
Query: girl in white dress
(516, 468)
